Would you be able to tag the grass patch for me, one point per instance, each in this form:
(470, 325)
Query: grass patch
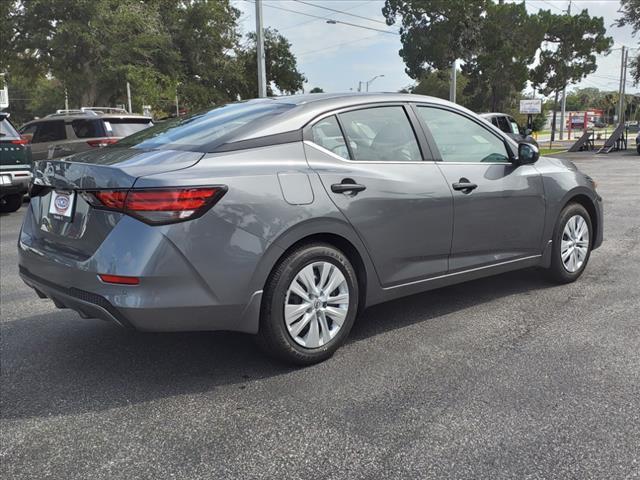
(551, 151)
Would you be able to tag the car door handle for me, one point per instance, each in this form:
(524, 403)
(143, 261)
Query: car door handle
(464, 185)
(347, 186)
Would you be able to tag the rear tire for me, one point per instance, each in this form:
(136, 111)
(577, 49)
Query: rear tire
(572, 240)
(10, 203)
(310, 303)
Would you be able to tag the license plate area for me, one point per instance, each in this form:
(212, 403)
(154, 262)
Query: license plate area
(62, 205)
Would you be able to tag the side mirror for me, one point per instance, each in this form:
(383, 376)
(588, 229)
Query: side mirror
(527, 154)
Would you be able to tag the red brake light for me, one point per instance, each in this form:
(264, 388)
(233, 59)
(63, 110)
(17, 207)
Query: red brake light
(20, 141)
(111, 198)
(158, 206)
(119, 279)
(102, 142)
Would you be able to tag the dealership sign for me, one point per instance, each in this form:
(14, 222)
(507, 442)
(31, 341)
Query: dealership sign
(531, 107)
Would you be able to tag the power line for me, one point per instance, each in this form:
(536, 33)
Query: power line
(343, 12)
(330, 20)
(290, 27)
(341, 44)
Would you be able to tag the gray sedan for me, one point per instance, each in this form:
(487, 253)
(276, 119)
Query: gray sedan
(286, 217)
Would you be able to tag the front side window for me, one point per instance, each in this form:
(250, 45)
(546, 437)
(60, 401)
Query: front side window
(380, 134)
(327, 134)
(50, 132)
(460, 139)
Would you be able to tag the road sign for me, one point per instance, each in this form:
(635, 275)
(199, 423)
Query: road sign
(531, 107)
(4, 97)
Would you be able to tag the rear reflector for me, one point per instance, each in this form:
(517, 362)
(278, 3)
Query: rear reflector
(20, 141)
(119, 279)
(102, 142)
(158, 206)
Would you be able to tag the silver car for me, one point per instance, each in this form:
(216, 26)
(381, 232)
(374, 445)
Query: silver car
(286, 217)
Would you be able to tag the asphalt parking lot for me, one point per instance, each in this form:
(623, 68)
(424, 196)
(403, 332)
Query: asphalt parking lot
(506, 377)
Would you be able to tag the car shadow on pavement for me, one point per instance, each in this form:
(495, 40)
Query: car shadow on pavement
(58, 364)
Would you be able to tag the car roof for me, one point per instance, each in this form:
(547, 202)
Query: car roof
(307, 107)
(86, 116)
(493, 114)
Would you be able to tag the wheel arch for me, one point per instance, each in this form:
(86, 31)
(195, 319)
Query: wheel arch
(334, 232)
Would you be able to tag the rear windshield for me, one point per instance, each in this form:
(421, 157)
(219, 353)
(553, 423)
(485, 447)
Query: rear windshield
(205, 128)
(123, 127)
(6, 129)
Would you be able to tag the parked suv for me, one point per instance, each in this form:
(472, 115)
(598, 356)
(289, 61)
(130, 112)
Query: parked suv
(72, 131)
(15, 166)
(508, 125)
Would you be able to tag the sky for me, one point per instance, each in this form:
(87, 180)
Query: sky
(335, 57)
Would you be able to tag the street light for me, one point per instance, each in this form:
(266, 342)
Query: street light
(371, 81)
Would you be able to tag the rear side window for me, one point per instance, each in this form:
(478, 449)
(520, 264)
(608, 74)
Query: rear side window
(205, 129)
(380, 134)
(123, 127)
(327, 134)
(50, 132)
(6, 129)
(88, 128)
(515, 129)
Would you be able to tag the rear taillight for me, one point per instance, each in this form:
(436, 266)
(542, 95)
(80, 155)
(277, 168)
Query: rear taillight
(158, 205)
(20, 141)
(102, 142)
(119, 279)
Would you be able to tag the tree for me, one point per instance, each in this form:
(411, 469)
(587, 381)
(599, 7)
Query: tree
(281, 65)
(630, 10)
(568, 53)
(435, 33)
(436, 84)
(161, 47)
(498, 68)
(316, 90)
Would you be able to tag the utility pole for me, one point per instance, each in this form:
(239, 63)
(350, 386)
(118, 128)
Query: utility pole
(129, 96)
(66, 100)
(622, 78)
(262, 75)
(452, 83)
(624, 86)
(564, 95)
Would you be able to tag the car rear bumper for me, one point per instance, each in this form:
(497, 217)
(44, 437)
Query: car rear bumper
(14, 182)
(178, 318)
(175, 292)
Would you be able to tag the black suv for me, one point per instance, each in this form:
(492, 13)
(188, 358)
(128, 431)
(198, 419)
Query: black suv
(15, 166)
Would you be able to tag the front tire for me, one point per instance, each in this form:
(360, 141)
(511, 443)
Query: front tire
(10, 203)
(309, 306)
(572, 242)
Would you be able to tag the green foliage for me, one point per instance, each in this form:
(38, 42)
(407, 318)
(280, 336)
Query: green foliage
(499, 68)
(94, 47)
(316, 90)
(436, 84)
(630, 10)
(568, 55)
(435, 33)
(281, 65)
